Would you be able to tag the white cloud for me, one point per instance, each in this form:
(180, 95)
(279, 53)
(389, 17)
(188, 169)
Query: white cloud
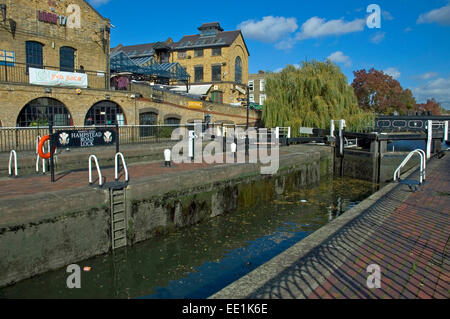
(339, 57)
(378, 37)
(438, 89)
(427, 75)
(269, 29)
(408, 29)
(441, 16)
(317, 27)
(387, 15)
(394, 72)
(97, 3)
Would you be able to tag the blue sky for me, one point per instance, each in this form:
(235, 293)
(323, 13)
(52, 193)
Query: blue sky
(413, 43)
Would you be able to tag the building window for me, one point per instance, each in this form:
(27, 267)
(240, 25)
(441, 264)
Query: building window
(172, 121)
(238, 70)
(67, 59)
(198, 53)
(145, 120)
(35, 58)
(217, 96)
(262, 85)
(182, 55)
(251, 85)
(42, 111)
(216, 73)
(252, 98)
(198, 74)
(105, 113)
(216, 51)
(262, 99)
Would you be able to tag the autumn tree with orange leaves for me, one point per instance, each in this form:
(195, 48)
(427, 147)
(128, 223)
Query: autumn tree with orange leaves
(381, 93)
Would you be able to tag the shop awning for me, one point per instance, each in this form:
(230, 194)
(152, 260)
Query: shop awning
(196, 89)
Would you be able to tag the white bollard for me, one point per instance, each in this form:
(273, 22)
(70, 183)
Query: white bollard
(12, 154)
(167, 158)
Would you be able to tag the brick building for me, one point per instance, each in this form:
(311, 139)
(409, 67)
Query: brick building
(55, 67)
(257, 88)
(217, 58)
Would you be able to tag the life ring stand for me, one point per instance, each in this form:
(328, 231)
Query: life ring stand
(41, 146)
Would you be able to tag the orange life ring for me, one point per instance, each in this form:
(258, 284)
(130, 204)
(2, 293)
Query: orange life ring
(41, 147)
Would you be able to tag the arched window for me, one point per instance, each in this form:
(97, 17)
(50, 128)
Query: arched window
(42, 111)
(34, 55)
(238, 70)
(172, 121)
(67, 59)
(148, 118)
(105, 113)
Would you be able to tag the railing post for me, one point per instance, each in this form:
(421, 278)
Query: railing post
(116, 171)
(52, 163)
(100, 178)
(429, 138)
(446, 131)
(6, 72)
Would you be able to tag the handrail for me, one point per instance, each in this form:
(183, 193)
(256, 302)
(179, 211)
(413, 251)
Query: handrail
(100, 179)
(11, 154)
(38, 139)
(124, 167)
(423, 161)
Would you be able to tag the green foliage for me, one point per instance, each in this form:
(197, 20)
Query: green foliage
(381, 93)
(311, 96)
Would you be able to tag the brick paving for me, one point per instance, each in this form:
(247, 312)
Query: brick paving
(35, 184)
(17, 187)
(406, 234)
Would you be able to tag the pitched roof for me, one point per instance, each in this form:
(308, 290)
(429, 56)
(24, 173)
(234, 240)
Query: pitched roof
(142, 50)
(215, 25)
(222, 39)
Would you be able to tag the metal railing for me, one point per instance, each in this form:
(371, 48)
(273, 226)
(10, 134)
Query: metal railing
(423, 165)
(19, 74)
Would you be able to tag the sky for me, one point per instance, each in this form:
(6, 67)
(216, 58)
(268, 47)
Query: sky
(410, 43)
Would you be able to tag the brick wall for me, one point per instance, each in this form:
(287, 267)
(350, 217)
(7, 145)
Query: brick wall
(87, 40)
(13, 97)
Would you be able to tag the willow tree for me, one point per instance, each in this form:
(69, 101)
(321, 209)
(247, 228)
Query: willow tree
(311, 96)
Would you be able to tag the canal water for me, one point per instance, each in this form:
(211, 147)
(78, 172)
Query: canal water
(198, 261)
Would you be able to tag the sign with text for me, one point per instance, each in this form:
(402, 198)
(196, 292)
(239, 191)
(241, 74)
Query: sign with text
(84, 138)
(195, 104)
(58, 78)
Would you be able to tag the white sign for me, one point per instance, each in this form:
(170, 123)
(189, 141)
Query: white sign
(58, 78)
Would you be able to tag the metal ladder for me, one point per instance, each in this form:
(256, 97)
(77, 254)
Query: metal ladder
(118, 217)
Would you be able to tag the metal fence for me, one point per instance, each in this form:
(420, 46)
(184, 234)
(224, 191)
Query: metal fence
(25, 138)
(18, 73)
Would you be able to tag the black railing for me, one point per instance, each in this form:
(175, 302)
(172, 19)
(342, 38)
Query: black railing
(25, 138)
(19, 73)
